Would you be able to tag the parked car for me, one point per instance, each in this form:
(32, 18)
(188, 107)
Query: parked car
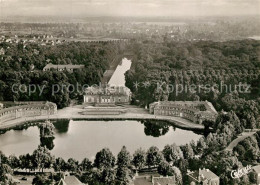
(24, 179)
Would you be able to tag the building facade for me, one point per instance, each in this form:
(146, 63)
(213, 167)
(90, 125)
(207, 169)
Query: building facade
(203, 177)
(70, 180)
(107, 96)
(256, 174)
(103, 110)
(153, 180)
(195, 111)
(70, 68)
(27, 110)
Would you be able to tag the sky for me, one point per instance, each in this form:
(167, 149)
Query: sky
(129, 7)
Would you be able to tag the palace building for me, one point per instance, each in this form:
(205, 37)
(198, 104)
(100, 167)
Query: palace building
(203, 176)
(256, 173)
(27, 109)
(195, 111)
(70, 68)
(105, 96)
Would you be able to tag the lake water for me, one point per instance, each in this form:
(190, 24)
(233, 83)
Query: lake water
(79, 139)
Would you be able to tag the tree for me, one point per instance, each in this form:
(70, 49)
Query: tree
(139, 158)
(41, 180)
(42, 158)
(222, 163)
(59, 165)
(123, 158)
(188, 152)
(107, 176)
(14, 161)
(46, 129)
(183, 165)
(86, 164)
(123, 175)
(3, 158)
(164, 168)
(177, 174)
(72, 165)
(225, 119)
(172, 153)
(5, 170)
(154, 156)
(26, 162)
(201, 144)
(104, 159)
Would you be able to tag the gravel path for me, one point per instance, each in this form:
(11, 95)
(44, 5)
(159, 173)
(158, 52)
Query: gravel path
(238, 139)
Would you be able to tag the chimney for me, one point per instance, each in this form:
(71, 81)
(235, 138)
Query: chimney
(199, 175)
(136, 173)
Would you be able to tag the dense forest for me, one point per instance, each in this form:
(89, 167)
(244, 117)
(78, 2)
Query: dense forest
(23, 64)
(197, 63)
(217, 67)
(205, 63)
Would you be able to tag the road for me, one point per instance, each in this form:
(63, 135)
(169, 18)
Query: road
(238, 139)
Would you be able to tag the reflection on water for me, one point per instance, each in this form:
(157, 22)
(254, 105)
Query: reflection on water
(62, 126)
(19, 142)
(48, 142)
(80, 139)
(155, 128)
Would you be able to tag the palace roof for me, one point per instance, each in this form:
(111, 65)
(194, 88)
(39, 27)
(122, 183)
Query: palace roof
(107, 91)
(67, 66)
(197, 106)
(41, 105)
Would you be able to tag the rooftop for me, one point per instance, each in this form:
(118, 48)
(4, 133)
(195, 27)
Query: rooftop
(148, 180)
(107, 90)
(142, 181)
(67, 66)
(208, 174)
(256, 169)
(202, 174)
(164, 181)
(70, 180)
(41, 105)
(198, 105)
